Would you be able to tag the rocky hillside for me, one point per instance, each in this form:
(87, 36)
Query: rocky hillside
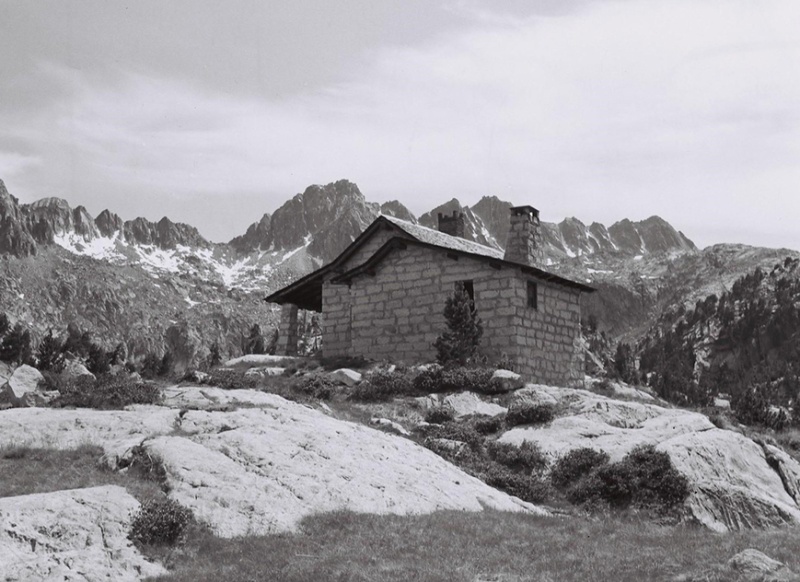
(731, 342)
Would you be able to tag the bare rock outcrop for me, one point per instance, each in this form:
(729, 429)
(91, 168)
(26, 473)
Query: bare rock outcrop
(735, 483)
(75, 535)
(263, 467)
(261, 470)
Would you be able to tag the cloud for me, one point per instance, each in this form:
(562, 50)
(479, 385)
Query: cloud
(685, 109)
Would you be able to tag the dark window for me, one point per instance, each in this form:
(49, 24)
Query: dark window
(533, 295)
(469, 288)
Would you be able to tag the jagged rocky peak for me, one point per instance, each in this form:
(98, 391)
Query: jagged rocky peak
(257, 237)
(165, 234)
(330, 214)
(51, 217)
(495, 215)
(474, 226)
(15, 237)
(653, 235)
(398, 210)
(108, 223)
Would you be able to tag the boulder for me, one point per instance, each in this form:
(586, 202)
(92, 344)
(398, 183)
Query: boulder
(534, 395)
(198, 376)
(466, 403)
(755, 566)
(75, 535)
(75, 369)
(345, 377)
(723, 403)
(22, 388)
(507, 380)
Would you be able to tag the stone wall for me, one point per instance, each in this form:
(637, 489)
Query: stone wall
(397, 314)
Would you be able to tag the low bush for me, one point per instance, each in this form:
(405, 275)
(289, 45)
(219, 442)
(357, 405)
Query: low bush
(457, 431)
(527, 413)
(645, 478)
(526, 458)
(160, 522)
(319, 387)
(573, 466)
(527, 487)
(456, 379)
(382, 385)
(429, 381)
(106, 392)
(439, 414)
(488, 425)
(231, 379)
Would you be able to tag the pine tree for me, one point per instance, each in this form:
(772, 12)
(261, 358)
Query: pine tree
(4, 324)
(255, 342)
(464, 329)
(16, 346)
(98, 361)
(214, 356)
(48, 354)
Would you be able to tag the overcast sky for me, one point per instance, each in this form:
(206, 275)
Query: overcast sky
(213, 113)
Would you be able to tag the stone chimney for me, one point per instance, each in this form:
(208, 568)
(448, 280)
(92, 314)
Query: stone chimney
(452, 225)
(524, 243)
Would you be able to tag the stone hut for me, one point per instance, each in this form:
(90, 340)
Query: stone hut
(384, 297)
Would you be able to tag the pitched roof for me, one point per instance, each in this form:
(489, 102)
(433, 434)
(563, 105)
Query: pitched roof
(440, 239)
(306, 292)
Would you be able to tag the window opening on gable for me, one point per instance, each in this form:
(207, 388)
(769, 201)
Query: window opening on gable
(469, 288)
(533, 295)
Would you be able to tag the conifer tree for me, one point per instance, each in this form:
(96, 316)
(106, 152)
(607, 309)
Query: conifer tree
(16, 346)
(464, 329)
(214, 356)
(48, 354)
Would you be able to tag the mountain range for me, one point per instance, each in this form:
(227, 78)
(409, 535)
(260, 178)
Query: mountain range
(135, 280)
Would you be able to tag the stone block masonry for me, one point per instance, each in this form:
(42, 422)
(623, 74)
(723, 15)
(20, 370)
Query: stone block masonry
(397, 313)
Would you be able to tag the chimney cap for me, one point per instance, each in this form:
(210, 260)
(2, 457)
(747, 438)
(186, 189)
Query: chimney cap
(518, 210)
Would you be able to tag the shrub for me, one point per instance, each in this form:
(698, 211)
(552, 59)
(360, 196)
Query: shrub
(429, 381)
(472, 379)
(527, 458)
(319, 387)
(231, 379)
(457, 431)
(150, 365)
(577, 463)
(382, 385)
(440, 414)
(455, 379)
(527, 413)
(528, 488)
(106, 392)
(160, 522)
(488, 425)
(645, 478)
